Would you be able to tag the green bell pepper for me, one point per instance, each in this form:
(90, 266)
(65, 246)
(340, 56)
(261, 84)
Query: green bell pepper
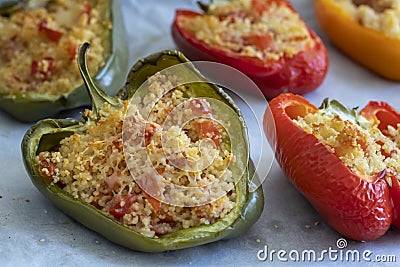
(46, 136)
(31, 106)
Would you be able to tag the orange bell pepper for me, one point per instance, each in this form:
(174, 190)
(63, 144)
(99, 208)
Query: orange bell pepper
(371, 48)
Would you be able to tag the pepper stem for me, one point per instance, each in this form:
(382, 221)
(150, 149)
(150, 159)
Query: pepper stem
(97, 95)
(203, 6)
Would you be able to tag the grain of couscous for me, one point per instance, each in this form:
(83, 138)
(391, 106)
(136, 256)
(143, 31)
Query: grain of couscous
(38, 47)
(380, 15)
(127, 163)
(247, 28)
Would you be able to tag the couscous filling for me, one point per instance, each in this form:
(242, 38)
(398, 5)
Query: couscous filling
(93, 166)
(380, 15)
(360, 146)
(38, 47)
(267, 30)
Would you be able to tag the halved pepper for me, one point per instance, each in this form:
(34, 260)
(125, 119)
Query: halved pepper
(287, 71)
(359, 206)
(369, 47)
(384, 115)
(31, 106)
(46, 135)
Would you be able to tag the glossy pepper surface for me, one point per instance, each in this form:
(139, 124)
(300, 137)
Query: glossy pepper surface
(31, 106)
(369, 47)
(46, 135)
(357, 207)
(300, 73)
(385, 115)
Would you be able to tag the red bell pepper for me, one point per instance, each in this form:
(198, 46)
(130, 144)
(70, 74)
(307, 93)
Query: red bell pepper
(299, 73)
(384, 115)
(361, 208)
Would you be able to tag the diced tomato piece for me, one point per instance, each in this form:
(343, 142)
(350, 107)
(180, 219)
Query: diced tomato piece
(262, 41)
(261, 5)
(51, 34)
(150, 130)
(151, 189)
(72, 49)
(135, 126)
(153, 202)
(233, 16)
(122, 204)
(87, 7)
(42, 69)
(208, 129)
(46, 168)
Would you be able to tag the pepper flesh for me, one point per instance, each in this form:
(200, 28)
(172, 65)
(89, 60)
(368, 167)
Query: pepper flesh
(47, 134)
(30, 106)
(370, 48)
(300, 73)
(358, 208)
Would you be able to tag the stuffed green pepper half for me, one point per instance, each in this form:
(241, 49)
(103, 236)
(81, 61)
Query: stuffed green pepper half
(39, 44)
(162, 166)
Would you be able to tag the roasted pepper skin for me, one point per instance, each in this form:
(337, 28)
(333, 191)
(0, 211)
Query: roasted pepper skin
(46, 135)
(384, 115)
(368, 47)
(29, 107)
(302, 73)
(356, 208)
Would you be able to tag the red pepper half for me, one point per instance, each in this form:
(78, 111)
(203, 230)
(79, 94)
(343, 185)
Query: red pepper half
(384, 115)
(300, 73)
(361, 208)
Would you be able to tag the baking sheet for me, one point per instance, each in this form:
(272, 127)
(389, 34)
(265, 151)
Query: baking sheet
(35, 233)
